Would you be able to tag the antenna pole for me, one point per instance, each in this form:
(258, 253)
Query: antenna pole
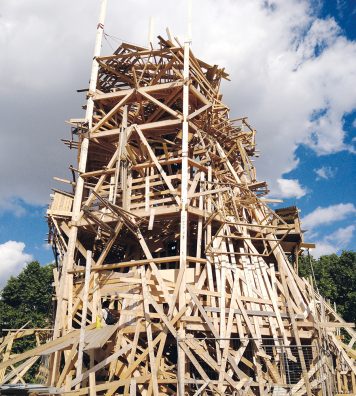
(150, 31)
(189, 27)
(95, 64)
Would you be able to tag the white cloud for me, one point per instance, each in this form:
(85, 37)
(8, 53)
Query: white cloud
(342, 236)
(325, 172)
(323, 248)
(328, 215)
(12, 260)
(334, 242)
(289, 188)
(284, 63)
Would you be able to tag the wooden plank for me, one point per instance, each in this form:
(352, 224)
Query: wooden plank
(100, 365)
(84, 313)
(183, 242)
(146, 297)
(144, 127)
(160, 104)
(158, 165)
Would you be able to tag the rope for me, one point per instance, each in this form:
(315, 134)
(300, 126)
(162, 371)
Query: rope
(109, 44)
(120, 40)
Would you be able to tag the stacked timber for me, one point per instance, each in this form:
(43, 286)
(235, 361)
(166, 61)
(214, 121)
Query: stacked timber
(168, 228)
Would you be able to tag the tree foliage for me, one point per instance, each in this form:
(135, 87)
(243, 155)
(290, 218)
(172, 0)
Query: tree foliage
(335, 278)
(27, 298)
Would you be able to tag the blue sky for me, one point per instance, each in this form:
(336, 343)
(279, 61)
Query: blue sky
(29, 227)
(343, 12)
(293, 69)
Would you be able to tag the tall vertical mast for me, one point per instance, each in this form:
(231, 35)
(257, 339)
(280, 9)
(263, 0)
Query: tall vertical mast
(83, 161)
(150, 31)
(184, 203)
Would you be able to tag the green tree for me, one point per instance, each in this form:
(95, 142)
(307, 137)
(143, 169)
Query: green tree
(27, 298)
(335, 278)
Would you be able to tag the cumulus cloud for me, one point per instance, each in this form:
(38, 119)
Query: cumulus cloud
(323, 248)
(330, 214)
(325, 172)
(283, 60)
(13, 259)
(290, 188)
(342, 237)
(334, 242)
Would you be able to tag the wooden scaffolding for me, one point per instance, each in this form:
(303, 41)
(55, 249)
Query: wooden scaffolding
(167, 224)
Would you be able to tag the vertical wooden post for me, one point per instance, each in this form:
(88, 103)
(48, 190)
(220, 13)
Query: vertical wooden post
(84, 314)
(133, 387)
(95, 309)
(200, 228)
(184, 216)
(123, 166)
(296, 262)
(294, 326)
(119, 166)
(68, 278)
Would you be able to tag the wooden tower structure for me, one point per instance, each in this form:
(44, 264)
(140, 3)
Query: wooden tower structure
(167, 224)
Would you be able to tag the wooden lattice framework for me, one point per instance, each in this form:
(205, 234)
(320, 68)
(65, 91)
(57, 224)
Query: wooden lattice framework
(168, 223)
